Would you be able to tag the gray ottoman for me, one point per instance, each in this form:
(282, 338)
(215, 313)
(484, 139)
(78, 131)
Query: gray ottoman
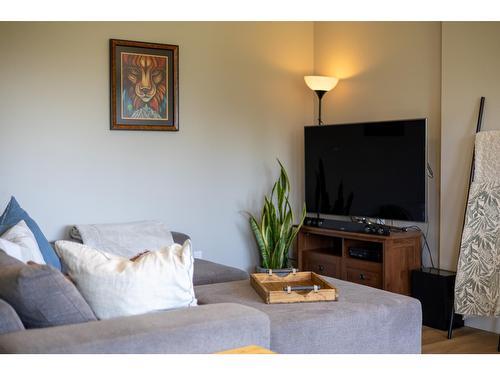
(363, 320)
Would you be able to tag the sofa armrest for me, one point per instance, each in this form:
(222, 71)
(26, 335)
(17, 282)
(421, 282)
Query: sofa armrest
(9, 320)
(201, 329)
(206, 272)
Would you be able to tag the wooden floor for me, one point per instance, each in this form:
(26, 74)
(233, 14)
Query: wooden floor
(465, 340)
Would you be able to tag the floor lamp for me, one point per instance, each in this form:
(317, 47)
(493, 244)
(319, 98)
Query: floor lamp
(320, 85)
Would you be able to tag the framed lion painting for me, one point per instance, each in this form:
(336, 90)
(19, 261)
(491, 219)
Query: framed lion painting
(144, 86)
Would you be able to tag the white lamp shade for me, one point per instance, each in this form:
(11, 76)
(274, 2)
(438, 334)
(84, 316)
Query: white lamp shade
(321, 83)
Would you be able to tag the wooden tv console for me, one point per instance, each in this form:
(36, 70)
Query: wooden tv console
(326, 252)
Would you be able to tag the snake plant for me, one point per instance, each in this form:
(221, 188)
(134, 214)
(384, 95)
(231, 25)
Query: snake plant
(275, 232)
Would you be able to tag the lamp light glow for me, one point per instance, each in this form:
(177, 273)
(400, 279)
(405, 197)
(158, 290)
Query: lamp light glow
(321, 83)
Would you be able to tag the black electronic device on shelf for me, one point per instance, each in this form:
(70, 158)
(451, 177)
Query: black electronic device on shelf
(349, 226)
(346, 226)
(380, 229)
(363, 253)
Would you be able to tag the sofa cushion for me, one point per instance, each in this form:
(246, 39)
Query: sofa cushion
(206, 272)
(116, 286)
(20, 242)
(363, 320)
(9, 320)
(12, 215)
(201, 329)
(41, 295)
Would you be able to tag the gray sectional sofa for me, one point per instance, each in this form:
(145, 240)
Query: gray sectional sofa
(230, 314)
(202, 329)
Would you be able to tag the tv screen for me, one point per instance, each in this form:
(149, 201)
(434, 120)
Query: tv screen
(373, 170)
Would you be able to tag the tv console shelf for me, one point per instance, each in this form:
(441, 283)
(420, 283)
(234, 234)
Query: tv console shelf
(326, 252)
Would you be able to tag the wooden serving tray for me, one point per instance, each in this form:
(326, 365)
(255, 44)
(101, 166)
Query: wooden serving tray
(270, 287)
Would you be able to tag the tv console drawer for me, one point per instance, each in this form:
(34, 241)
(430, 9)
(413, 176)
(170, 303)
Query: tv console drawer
(322, 263)
(364, 277)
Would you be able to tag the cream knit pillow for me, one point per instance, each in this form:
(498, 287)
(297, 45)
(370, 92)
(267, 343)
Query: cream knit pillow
(115, 286)
(20, 242)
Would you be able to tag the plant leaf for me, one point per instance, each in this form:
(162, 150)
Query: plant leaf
(260, 241)
(276, 233)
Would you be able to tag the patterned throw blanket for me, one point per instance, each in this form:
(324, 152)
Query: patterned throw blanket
(477, 286)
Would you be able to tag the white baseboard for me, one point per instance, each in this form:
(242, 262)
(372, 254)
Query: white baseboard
(484, 323)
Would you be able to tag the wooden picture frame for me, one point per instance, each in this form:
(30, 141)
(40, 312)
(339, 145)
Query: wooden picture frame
(144, 86)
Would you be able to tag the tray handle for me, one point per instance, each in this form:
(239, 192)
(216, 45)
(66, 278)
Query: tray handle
(271, 272)
(313, 288)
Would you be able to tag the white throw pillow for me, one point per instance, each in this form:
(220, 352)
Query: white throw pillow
(115, 286)
(19, 242)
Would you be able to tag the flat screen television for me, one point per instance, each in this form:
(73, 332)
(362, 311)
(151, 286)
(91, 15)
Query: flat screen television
(372, 170)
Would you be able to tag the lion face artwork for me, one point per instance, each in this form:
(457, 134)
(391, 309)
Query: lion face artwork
(144, 86)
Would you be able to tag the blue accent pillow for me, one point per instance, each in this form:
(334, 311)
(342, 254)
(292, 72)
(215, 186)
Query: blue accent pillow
(12, 215)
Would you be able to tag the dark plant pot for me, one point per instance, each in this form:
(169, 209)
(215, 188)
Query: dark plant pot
(280, 272)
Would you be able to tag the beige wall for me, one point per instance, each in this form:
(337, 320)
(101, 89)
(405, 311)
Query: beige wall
(243, 103)
(471, 69)
(387, 70)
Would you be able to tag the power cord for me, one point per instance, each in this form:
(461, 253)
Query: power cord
(430, 172)
(403, 229)
(426, 244)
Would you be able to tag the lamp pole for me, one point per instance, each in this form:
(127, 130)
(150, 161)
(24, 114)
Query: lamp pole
(320, 94)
